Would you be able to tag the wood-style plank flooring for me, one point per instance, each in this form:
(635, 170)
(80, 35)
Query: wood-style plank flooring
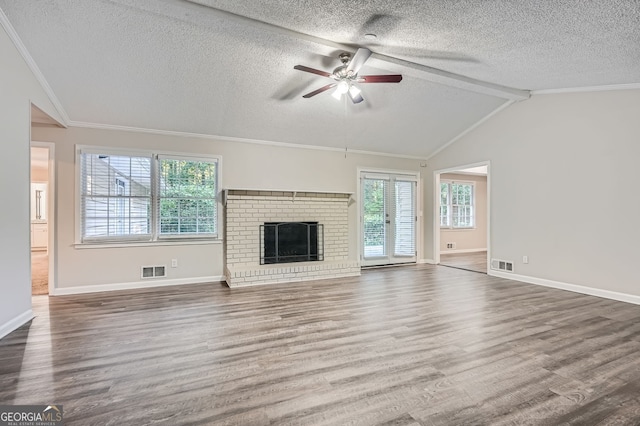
(476, 262)
(413, 345)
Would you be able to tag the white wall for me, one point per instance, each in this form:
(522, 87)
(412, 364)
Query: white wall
(564, 176)
(244, 166)
(18, 88)
(468, 239)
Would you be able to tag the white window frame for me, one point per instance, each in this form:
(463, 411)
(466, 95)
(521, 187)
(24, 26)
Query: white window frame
(155, 237)
(450, 209)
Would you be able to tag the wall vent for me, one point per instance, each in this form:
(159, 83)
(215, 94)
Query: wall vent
(501, 265)
(153, 271)
(451, 246)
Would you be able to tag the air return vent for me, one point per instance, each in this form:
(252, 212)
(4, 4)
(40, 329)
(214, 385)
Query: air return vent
(153, 271)
(501, 265)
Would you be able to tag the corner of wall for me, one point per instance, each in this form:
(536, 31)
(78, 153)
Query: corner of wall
(16, 323)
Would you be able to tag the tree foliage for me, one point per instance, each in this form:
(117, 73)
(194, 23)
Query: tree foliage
(374, 212)
(187, 196)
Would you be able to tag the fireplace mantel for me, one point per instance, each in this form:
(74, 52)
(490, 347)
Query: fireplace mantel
(247, 209)
(288, 192)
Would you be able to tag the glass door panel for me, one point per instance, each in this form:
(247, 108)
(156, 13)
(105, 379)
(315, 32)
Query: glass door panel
(375, 217)
(388, 219)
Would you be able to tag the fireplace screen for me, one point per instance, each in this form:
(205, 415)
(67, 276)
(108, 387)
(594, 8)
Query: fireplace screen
(284, 242)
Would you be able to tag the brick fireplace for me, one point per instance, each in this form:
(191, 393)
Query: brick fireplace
(247, 211)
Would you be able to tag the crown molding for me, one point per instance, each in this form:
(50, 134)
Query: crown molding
(236, 139)
(469, 129)
(628, 86)
(19, 45)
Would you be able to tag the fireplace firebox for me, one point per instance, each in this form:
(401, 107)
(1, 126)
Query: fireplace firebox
(285, 242)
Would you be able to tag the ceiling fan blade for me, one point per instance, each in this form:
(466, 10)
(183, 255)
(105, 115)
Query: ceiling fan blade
(358, 60)
(357, 98)
(312, 70)
(320, 90)
(391, 78)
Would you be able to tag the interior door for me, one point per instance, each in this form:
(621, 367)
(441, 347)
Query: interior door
(388, 218)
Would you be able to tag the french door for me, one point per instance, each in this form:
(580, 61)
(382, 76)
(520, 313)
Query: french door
(388, 218)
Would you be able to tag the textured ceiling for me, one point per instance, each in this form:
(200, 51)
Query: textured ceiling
(181, 66)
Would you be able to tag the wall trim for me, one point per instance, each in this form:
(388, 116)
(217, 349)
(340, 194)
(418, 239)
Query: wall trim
(235, 139)
(16, 323)
(470, 129)
(606, 294)
(427, 261)
(65, 291)
(51, 210)
(463, 251)
(31, 64)
(628, 86)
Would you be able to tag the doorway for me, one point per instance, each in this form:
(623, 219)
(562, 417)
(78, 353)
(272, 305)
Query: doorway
(462, 217)
(41, 199)
(388, 218)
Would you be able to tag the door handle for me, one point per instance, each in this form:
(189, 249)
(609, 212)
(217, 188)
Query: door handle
(387, 221)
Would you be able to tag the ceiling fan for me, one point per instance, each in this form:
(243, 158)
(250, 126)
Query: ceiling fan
(346, 76)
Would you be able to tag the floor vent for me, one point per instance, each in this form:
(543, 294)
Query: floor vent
(153, 272)
(451, 246)
(501, 265)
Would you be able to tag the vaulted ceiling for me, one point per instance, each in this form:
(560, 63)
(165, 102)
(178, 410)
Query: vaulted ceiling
(225, 67)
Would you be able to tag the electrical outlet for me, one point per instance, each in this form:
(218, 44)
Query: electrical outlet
(174, 263)
(525, 259)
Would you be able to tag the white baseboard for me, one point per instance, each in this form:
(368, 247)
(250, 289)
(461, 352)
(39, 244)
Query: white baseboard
(607, 294)
(133, 285)
(16, 323)
(429, 261)
(463, 251)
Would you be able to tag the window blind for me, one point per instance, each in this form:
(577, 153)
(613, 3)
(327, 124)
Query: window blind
(405, 218)
(115, 196)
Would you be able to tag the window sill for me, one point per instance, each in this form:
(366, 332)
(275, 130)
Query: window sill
(83, 246)
(458, 229)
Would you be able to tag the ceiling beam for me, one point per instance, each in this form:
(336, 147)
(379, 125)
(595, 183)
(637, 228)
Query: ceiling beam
(447, 78)
(409, 68)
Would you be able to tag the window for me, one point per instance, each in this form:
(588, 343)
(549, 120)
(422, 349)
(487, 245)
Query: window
(457, 205)
(146, 197)
(187, 197)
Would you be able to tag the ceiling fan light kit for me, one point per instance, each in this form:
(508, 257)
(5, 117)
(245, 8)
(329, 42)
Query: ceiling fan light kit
(354, 91)
(346, 75)
(342, 88)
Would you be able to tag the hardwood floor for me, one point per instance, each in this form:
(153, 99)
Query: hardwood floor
(414, 345)
(476, 262)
